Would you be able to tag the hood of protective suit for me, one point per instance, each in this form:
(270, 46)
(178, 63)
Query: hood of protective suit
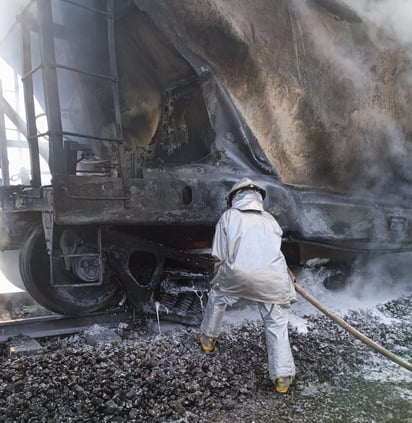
(248, 200)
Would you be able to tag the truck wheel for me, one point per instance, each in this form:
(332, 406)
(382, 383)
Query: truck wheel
(35, 272)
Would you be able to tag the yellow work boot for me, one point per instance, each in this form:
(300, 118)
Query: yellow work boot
(283, 383)
(207, 343)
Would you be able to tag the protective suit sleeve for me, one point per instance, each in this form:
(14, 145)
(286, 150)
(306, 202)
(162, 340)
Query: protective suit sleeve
(219, 246)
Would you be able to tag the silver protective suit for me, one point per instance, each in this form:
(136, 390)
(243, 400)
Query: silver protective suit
(251, 266)
(247, 245)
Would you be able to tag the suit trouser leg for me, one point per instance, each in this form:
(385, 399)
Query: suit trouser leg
(280, 359)
(215, 310)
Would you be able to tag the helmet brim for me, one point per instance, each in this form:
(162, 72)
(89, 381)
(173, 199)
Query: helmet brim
(246, 188)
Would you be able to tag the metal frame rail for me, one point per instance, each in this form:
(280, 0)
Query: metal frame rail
(56, 324)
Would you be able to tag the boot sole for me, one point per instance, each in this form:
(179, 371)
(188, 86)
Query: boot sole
(285, 389)
(206, 348)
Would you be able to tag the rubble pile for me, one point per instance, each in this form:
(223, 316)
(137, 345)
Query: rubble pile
(145, 377)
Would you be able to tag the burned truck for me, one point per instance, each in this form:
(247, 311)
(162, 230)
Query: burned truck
(140, 115)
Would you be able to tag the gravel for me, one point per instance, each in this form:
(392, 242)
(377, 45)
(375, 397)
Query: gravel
(167, 378)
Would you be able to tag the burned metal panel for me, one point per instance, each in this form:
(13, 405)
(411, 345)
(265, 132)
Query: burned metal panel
(196, 196)
(20, 198)
(174, 110)
(160, 197)
(14, 228)
(345, 222)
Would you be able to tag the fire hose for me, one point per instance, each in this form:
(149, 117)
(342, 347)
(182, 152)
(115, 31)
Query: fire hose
(358, 335)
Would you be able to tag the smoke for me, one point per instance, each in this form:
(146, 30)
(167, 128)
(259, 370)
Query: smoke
(9, 11)
(338, 50)
(394, 16)
(372, 281)
(370, 62)
(391, 19)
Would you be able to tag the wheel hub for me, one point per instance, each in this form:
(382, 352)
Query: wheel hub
(86, 268)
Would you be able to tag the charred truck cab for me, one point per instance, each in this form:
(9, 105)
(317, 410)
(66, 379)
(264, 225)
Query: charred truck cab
(143, 143)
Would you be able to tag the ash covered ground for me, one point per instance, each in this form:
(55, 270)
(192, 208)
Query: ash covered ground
(152, 377)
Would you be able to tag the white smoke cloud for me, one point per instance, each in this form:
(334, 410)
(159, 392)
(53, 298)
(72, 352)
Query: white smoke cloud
(372, 281)
(8, 11)
(375, 78)
(393, 15)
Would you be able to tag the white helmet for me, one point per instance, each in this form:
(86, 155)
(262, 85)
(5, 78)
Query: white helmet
(243, 185)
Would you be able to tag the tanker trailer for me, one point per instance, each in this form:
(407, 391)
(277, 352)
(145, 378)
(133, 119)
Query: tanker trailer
(140, 116)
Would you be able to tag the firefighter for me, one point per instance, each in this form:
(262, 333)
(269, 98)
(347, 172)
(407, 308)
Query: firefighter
(251, 266)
